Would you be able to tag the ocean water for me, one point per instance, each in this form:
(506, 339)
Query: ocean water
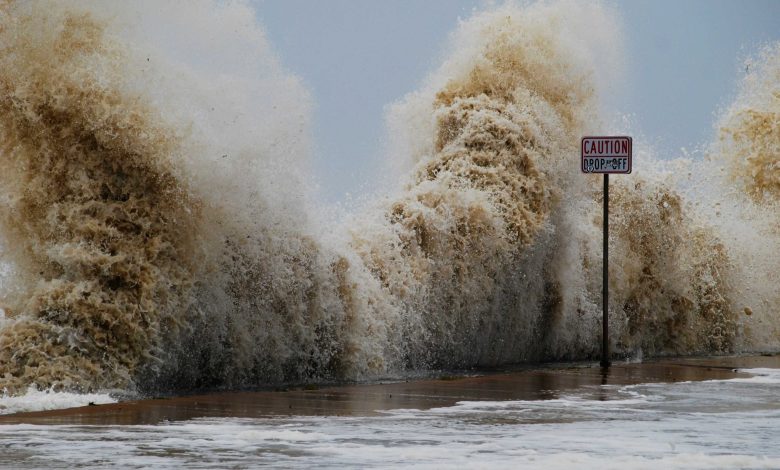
(714, 424)
(159, 234)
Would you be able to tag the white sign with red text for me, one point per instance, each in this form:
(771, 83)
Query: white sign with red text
(607, 154)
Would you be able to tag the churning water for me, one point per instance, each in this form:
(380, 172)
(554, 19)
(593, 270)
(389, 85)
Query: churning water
(157, 232)
(688, 425)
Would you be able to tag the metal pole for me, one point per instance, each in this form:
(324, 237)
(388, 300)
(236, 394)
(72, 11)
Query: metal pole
(605, 280)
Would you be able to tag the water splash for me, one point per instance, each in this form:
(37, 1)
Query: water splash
(158, 231)
(750, 133)
(98, 218)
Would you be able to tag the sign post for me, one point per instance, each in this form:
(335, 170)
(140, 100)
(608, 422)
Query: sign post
(605, 155)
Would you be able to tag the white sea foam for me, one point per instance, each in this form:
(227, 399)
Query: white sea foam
(760, 375)
(42, 400)
(670, 426)
(182, 247)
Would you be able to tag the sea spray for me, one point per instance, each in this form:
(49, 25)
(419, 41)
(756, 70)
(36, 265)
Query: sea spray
(169, 238)
(750, 129)
(96, 222)
(159, 231)
(464, 247)
(522, 262)
(673, 274)
(742, 193)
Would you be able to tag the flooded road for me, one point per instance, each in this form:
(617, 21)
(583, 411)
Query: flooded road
(680, 413)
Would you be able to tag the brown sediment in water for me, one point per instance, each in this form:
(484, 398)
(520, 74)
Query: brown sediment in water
(485, 258)
(100, 223)
(673, 284)
(454, 246)
(750, 130)
(371, 399)
(746, 161)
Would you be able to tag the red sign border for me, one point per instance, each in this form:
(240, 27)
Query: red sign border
(607, 137)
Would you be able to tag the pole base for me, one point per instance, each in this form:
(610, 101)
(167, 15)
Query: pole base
(605, 363)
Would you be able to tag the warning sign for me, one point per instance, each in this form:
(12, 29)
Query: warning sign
(610, 154)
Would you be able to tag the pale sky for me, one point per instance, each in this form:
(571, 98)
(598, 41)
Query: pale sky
(684, 58)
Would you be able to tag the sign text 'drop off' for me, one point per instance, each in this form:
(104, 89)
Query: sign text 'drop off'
(608, 154)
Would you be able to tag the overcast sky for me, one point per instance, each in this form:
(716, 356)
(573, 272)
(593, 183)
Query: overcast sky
(356, 56)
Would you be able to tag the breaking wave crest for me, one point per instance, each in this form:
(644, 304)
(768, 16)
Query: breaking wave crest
(97, 222)
(750, 133)
(157, 232)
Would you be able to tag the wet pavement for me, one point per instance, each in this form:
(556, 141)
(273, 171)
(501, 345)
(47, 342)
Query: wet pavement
(527, 383)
